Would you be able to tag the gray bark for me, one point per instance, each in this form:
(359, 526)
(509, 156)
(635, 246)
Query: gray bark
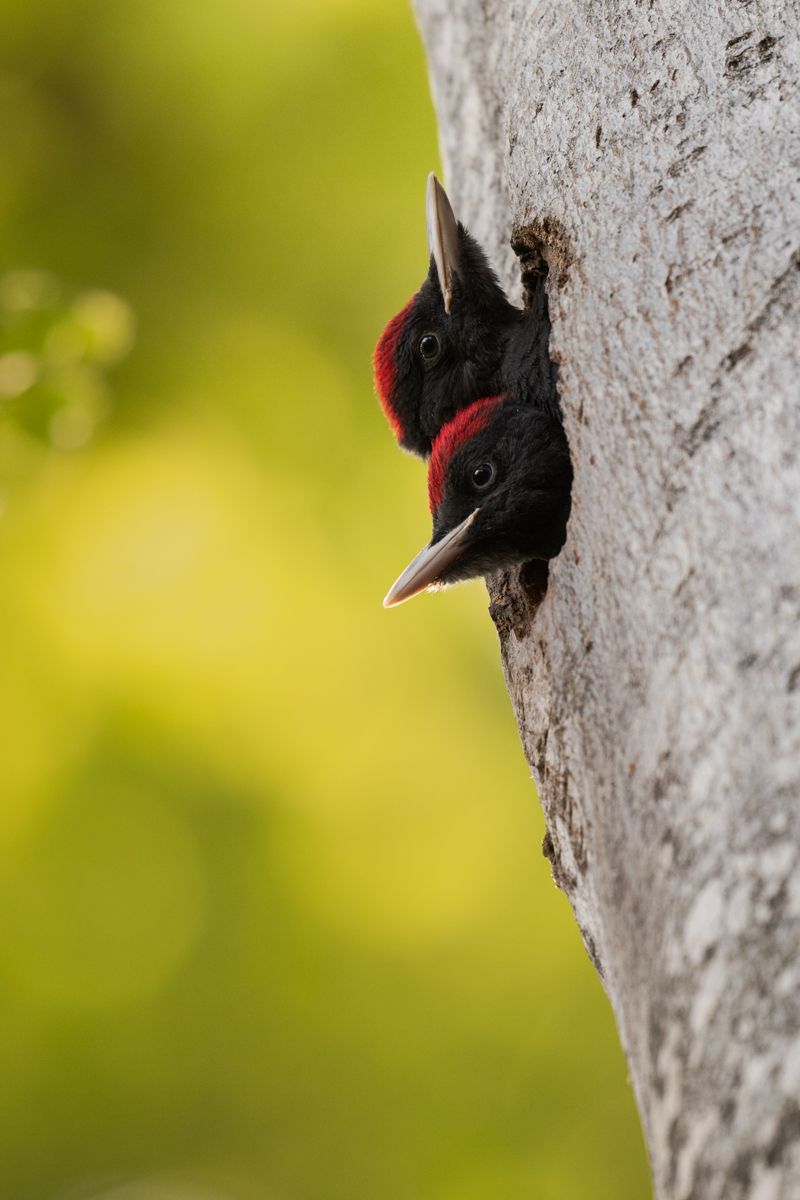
(651, 152)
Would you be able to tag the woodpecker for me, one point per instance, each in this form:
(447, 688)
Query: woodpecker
(499, 481)
(457, 339)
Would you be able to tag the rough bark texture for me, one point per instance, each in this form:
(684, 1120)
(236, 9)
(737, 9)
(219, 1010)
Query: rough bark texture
(651, 154)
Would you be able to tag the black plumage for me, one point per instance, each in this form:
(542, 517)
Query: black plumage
(499, 483)
(457, 340)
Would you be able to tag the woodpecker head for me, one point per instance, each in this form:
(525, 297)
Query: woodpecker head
(499, 484)
(446, 346)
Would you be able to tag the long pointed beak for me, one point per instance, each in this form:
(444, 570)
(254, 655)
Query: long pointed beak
(443, 242)
(430, 564)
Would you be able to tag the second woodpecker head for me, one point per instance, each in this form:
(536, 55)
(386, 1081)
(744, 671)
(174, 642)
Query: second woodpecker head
(445, 348)
(499, 483)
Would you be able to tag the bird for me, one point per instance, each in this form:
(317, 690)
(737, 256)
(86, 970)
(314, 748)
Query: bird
(457, 339)
(499, 481)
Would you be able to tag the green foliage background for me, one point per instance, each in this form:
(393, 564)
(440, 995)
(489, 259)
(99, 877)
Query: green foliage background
(275, 919)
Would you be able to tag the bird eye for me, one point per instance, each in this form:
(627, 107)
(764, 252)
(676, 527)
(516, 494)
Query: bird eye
(483, 476)
(429, 346)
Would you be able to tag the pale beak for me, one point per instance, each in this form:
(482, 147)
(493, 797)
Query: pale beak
(443, 242)
(430, 564)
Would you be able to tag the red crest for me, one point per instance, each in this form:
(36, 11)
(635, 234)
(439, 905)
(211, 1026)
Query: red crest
(384, 364)
(462, 428)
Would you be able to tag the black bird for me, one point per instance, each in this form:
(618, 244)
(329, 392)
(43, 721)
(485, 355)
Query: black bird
(499, 482)
(457, 339)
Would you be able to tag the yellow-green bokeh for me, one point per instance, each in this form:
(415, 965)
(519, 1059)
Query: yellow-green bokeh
(275, 919)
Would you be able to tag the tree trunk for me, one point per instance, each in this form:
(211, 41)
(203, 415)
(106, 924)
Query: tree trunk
(649, 154)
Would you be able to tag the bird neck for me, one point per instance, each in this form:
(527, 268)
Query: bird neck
(528, 373)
